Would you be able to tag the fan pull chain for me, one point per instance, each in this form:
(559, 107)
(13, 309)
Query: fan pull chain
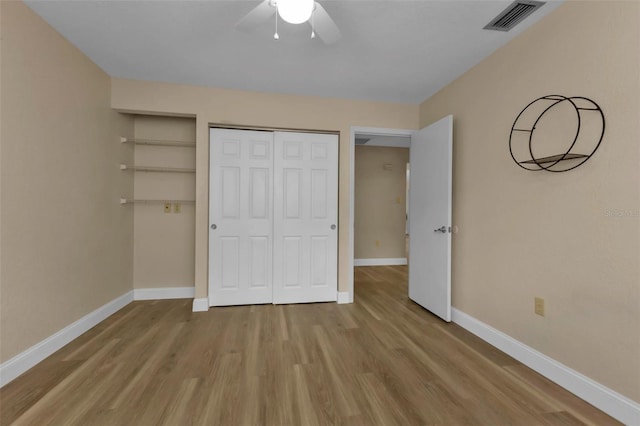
(313, 32)
(276, 36)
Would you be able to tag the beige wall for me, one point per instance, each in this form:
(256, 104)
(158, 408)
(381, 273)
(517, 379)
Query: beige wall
(164, 243)
(67, 245)
(525, 234)
(380, 206)
(233, 107)
(66, 242)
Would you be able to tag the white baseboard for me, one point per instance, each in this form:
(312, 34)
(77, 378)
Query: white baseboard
(164, 293)
(616, 405)
(380, 262)
(200, 304)
(343, 297)
(22, 362)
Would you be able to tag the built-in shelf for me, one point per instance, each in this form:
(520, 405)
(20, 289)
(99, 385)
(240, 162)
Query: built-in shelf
(136, 168)
(554, 158)
(156, 169)
(157, 142)
(134, 201)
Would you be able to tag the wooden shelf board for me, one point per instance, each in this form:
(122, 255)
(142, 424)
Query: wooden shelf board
(156, 169)
(138, 201)
(554, 158)
(157, 142)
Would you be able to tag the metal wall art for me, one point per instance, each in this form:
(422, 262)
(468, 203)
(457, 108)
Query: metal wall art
(556, 133)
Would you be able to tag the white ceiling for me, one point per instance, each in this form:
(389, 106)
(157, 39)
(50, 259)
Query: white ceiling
(394, 50)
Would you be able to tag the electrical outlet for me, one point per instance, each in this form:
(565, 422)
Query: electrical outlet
(167, 207)
(539, 306)
(177, 208)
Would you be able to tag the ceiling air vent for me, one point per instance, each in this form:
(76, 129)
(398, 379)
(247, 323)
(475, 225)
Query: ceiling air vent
(513, 15)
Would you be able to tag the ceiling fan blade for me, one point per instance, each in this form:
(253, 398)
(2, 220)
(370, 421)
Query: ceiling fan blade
(257, 16)
(324, 26)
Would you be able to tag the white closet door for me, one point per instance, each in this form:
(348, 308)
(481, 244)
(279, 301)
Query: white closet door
(240, 217)
(305, 218)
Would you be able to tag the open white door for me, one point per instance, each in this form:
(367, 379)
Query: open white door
(430, 217)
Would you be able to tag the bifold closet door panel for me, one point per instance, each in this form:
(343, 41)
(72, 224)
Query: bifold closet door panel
(305, 233)
(240, 217)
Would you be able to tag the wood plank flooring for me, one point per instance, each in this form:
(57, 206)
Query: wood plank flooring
(380, 361)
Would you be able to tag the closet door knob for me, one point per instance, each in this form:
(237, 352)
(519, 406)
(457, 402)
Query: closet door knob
(333, 226)
(214, 227)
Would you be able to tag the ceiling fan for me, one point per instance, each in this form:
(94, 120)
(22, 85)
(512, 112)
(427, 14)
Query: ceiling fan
(294, 12)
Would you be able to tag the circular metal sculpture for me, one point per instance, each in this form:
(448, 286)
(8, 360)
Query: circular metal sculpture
(572, 125)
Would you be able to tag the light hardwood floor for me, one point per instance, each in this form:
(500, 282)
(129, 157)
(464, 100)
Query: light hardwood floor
(380, 361)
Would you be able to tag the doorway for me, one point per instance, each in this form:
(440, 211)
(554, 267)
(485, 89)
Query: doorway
(430, 206)
(382, 136)
(380, 225)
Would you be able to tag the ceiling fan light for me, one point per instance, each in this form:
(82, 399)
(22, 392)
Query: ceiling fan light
(295, 11)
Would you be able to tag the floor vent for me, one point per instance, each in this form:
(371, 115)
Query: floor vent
(513, 15)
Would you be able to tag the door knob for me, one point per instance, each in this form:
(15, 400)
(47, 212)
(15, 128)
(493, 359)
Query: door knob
(333, 226)
(214, 227)
(442, 229)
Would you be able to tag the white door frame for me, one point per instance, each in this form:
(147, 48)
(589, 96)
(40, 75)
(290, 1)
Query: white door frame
(373, 131)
